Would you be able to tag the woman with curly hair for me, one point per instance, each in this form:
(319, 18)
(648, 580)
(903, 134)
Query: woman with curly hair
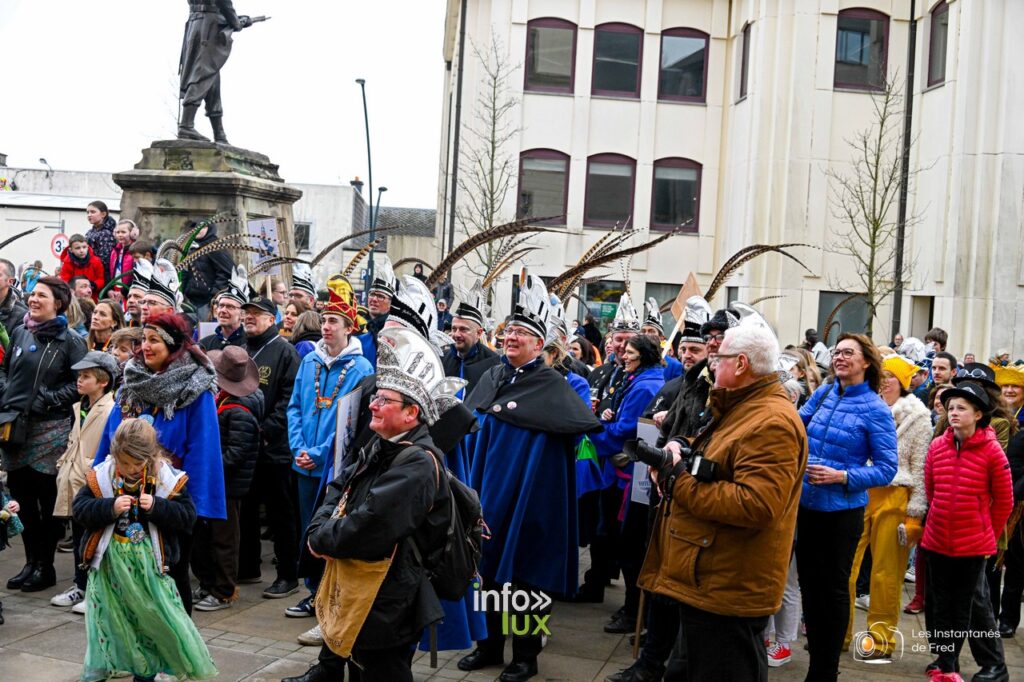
(170, 383)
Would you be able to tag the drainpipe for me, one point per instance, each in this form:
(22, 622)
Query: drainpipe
(901, 223)
(458, 123)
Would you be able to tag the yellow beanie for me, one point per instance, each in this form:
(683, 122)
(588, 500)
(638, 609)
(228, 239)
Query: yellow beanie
(1011, 375)
(903, 369)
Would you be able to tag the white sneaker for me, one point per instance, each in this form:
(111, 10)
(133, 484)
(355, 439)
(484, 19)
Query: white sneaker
(79, 608)
(911, 575)
(862, 602)
(69, 597)
(311, 637)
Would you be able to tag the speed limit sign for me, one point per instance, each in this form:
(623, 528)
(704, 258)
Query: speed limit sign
(58, 245)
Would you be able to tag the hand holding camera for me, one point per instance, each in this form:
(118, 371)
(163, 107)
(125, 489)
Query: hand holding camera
(665, 461)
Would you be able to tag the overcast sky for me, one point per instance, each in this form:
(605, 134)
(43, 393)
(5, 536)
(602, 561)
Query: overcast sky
(88, 85)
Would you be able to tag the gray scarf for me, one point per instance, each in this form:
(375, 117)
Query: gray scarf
(184, 380)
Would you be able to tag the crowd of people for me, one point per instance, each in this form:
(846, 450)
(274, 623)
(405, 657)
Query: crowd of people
(788, 486)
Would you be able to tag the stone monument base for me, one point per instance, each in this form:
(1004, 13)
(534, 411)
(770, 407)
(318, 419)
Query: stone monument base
(178, 181)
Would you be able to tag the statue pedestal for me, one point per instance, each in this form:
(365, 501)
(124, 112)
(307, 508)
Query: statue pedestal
(182, 180)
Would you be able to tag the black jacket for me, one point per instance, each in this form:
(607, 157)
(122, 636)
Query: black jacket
(392, 501)
(209, 273)
(278, 362)
(172, 517)
(217, 342)
(12, 311)
(690, 410)
(1015, 455)
(26, 357)
(592, 334)
(239, 420)
(480, 359)
(578, 367)
(664, 398)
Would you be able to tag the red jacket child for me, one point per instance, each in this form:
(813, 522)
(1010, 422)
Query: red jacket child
(970, 494)
(78, 259)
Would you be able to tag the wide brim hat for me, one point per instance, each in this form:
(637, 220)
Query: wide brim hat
(972, 392)
(237, 373)
(977, 372)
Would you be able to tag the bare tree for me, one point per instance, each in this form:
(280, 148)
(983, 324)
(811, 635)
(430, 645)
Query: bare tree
(865, 197)
(488, 172)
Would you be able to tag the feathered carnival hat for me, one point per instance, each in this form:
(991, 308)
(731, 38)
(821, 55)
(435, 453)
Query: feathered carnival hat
(142, 272)
(336, 305)
(302, 279)
(626, 317)
(695, 316)
(408, 365)
(653, 315)
(534, 305)
(413, 307)
(914, 350)
(472, 304)
(558, 330)
(164, 283)
(384, 280)
(238, 286)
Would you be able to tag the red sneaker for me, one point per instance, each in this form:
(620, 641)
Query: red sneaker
(916, 605)
(779, 655)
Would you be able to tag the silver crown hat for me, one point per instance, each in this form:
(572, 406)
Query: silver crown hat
(238, 286)
(533, 307)
(408, 364)
(302, 279)
(472, 304)
(413, 307)
(165, 284)
(558, 330)
(626, 317)
(142, 273)
(653, 314)
(384, 280)
(695, 315)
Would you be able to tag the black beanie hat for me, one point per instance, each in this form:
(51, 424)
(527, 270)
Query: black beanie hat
(722, 319)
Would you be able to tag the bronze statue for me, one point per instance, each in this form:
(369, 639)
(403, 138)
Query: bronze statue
(204, 51)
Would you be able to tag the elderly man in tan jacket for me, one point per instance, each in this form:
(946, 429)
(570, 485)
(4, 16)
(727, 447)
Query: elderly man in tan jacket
(97, 373)
(722, 548)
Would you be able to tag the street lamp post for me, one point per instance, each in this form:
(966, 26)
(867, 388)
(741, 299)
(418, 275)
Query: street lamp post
(369, 173)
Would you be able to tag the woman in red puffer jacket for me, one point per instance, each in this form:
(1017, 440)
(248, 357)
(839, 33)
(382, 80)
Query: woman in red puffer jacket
(970, 495)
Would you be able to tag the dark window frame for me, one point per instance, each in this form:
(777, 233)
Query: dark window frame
(685, 33)
(549, 154)
(873, 15)
(678, 162)
(308, 224)
(618, 27)
(609, 158)
(942, 8)
(550, 22)
(744, 60)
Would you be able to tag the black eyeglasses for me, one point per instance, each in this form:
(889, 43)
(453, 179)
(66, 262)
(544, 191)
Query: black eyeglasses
(708, 338)
(379, 400)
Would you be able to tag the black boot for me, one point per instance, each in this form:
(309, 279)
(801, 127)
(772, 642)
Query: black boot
(42, 577)
(316, 673)
(217, 123)
(187, 126)
(992, 673)
(17, 581)
(480, 658)
(519, 671)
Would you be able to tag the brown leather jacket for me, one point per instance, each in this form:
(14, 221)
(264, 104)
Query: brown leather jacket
(725, 546)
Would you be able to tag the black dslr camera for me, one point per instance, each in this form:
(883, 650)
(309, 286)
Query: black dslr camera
(638, 450)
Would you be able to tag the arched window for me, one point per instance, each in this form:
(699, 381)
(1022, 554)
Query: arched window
(543, 184)
(862, 49)
(937, 36)
(618, 50)
(550, 55)
(683, 72)
(611, 179)
(675, 198)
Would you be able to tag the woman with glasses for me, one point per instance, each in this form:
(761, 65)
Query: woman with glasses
(848, 425)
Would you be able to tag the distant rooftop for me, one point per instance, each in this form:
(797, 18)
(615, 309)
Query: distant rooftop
(413, 222)
(32, 200)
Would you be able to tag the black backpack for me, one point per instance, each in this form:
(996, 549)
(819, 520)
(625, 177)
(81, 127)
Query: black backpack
(453, 568)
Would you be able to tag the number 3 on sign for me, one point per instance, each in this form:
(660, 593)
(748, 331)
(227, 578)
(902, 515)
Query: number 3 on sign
(59, 244)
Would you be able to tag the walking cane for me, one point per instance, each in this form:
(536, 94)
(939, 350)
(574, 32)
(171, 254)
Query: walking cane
(639, 625)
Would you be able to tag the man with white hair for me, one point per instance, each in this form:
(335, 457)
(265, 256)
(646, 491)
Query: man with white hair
(744, 507)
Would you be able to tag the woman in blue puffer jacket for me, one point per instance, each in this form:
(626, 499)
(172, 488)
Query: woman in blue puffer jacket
(851, 447)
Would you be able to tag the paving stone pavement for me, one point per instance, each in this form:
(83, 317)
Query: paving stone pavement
(255, 642)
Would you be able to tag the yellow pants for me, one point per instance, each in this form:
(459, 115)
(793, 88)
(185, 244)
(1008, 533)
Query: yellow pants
(886, 510)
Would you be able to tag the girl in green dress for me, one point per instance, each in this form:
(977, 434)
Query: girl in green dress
(133, 506)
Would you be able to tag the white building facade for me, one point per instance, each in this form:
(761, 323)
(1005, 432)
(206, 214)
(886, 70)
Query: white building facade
(730, 114)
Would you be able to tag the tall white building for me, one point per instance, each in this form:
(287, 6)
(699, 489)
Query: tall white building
(732, 113)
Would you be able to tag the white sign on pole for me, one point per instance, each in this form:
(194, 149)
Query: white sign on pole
(345, 429)
(640, 491)
(263, 235)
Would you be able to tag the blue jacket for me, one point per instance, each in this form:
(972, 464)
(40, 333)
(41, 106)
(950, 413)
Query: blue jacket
(313, 429)
(193, 437)
(847, 430)
(673, 368)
